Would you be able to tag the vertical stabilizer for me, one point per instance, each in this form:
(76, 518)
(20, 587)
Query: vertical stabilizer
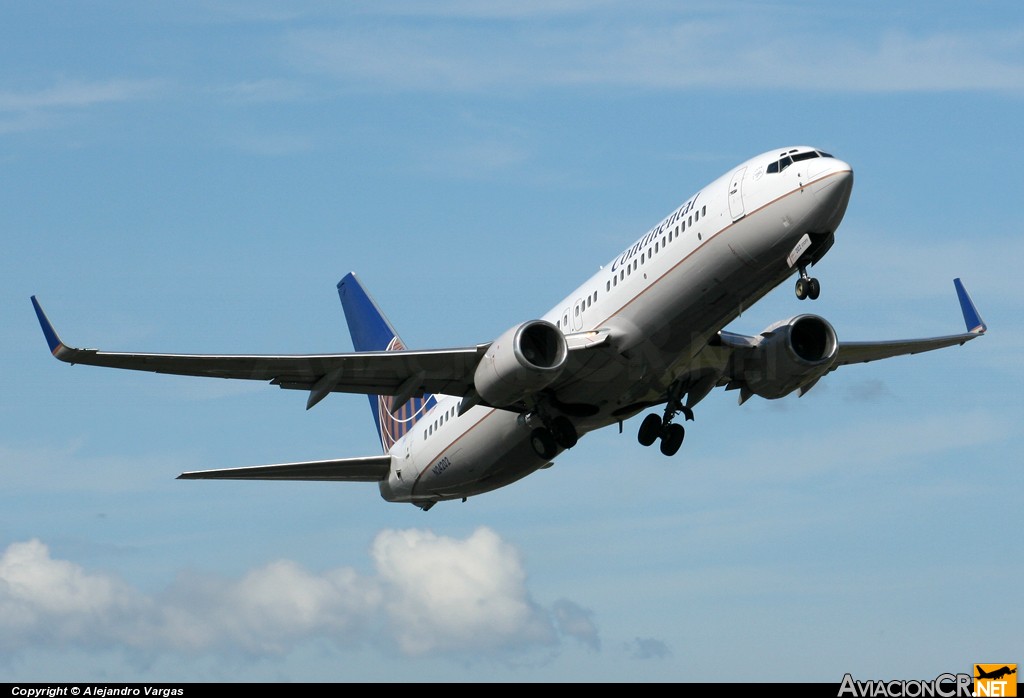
(371, 331)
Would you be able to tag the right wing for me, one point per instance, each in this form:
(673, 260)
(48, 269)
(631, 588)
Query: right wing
(367, 469)
(404, 374)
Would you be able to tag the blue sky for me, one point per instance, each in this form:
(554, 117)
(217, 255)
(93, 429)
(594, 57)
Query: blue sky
(196, 177)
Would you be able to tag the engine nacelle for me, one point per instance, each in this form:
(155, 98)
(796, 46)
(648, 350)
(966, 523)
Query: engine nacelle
(523, 360)
(790, 355)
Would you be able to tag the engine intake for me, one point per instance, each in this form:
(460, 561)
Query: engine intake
(790, 355)
(524, 359)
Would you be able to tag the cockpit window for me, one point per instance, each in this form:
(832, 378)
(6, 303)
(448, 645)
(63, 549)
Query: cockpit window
(823, 154)
(787, 160)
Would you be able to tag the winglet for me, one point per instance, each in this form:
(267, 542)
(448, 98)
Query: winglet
(972, 318)
(51, 335)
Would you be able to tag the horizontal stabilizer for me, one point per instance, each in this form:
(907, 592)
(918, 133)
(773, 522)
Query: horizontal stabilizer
(367, 469)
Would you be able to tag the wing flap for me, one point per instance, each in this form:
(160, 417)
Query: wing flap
(365, 469)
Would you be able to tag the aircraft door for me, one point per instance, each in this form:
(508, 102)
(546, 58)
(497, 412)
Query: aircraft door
(577, 316)
(736, 194)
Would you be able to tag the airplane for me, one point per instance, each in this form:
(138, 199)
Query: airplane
(645, 333)
(997, 674)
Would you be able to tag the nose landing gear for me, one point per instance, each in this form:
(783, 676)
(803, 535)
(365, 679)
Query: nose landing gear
(806, 287)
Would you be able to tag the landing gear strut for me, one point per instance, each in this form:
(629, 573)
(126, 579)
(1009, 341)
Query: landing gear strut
(654, 427)
(806, 287)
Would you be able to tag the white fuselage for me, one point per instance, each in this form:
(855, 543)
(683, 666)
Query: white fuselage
(662, 299)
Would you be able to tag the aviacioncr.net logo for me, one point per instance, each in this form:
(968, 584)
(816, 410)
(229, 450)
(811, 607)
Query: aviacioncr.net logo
(942, 686)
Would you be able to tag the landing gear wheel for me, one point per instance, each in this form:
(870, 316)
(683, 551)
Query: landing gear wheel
(814, 289)
(564, 432)
(802, 290)
(672, 438)
(650, 430)
(543, 443)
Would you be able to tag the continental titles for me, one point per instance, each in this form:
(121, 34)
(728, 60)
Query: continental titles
(654, 232)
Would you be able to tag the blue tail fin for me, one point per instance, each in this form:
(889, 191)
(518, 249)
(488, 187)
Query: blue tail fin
(371, 331)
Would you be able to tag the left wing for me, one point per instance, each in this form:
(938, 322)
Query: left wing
(749, 364)
(862, 352)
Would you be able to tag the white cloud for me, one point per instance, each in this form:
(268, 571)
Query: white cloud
(667, 49)
(263, 91)
(578, 622)
(429, 594)
(76, 94)
(45, 601)
(444, 594)
(648, 648)
(869, 445)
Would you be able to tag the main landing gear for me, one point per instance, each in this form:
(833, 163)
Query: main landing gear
(557, 431)
(806, 287)
(654, 427)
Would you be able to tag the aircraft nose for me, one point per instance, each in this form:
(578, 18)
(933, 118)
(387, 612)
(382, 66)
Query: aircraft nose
(832, 191)
(834, 179)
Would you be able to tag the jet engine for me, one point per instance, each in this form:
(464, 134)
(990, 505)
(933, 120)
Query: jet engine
(525, 359)
(790, 355)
